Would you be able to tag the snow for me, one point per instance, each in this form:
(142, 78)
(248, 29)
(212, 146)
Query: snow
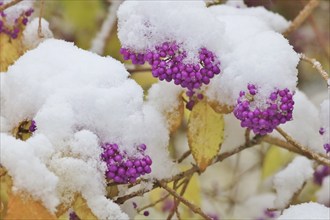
(144, 24)
(305, 121)
(31, 37)
(304, 211)
(266, 60)
(323, 194)
(78, 101)
(25, 168)
(291, 179)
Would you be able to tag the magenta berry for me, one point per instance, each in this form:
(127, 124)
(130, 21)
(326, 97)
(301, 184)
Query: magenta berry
(33, 126)
(326, 147)
(14, 30)
(122, 168)
(73, 216)
(167, 63)
(278, 110)
(320, 173)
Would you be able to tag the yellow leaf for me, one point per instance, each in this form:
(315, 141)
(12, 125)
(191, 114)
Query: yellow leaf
(205, 133)
(144, 79)
(22, 131)
(275, 159)
(174, 117)
(221, 108)
(82, 210)
(26, 208)
(11, 50)
(5, 191)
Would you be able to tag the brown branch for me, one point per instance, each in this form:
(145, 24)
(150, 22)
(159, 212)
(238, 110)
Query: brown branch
(194, 169)
(304, 150)
(154, 203)
(192, 207)
(247, 135)
(9, 4)
(138, 70)
(302, 16)
(184, 156)
(42, 3)
(317, 65)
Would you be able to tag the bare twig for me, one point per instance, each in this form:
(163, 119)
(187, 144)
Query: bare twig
(9, 4)
(247, 135)
(184, 156)
(42, 3)
(192, 207)
(138, 70)
(194, 169)
(154, 203)
(99, 42)
(317, 65)
(302, 16)
(305, 151)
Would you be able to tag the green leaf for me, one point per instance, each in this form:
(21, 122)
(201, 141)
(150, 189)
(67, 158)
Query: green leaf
(274, 160)
(205, 134)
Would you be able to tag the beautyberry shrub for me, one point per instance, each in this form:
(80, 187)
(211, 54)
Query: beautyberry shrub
(167, 63)
(278, 110)
(13, 30)
(122, 168)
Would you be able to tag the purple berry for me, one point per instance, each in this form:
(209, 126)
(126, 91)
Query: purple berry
(277, 110)
(123, 168)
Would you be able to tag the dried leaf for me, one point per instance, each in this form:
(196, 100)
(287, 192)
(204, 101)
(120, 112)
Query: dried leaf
(5, 191)
(26, 208)
(82, 210)
(205, 133)
(175, 117)
(10, 51)
(221, 108)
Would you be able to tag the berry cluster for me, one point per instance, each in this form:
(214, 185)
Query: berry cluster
(326, 146)
(320, 173)
(33, 126)
(123, 169)
(14, 30)
(279, 107)
(167, 63)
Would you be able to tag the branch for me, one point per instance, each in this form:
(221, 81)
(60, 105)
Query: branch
(98, 43)
(317, 65)
(184, 156)
(302, 16)
(193, 208)
(9, 4)
(42, 3)
(304, 150)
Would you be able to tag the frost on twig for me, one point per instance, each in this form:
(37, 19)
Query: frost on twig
(98, 43)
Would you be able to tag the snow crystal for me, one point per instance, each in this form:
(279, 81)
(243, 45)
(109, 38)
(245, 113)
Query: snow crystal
(31, 37)
(144, 24)
(28, 172)
(304, 128)
(78, 100)
(273, 20)
(304, 211)
(266, 60)
(291, 179)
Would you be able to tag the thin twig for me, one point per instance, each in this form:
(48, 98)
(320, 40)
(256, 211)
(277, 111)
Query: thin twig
(154, 203)
(9, 4)
(302, 16)
(42, 3)
(192, 207)
(247, 135)
(317, 65)
(194, 169)
(184, 156)
(138, 70)
(99, 42)
(305, 151)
